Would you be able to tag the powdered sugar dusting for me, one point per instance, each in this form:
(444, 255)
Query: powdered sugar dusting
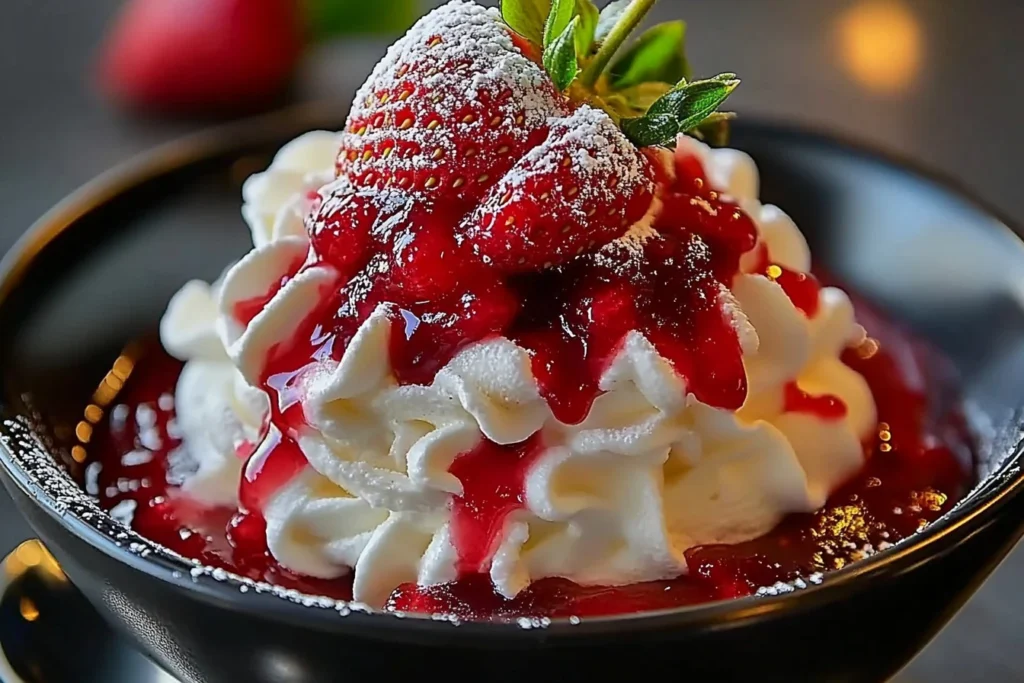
(596, 151)
(455, 85)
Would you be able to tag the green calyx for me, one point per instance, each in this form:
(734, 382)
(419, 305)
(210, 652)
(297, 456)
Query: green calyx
(647, 88)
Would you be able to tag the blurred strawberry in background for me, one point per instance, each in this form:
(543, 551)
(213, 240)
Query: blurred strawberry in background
(226, 56)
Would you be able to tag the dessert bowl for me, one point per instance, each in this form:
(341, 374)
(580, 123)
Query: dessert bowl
(99, 268)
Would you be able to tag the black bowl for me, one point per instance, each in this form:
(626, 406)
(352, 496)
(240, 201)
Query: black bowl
(99, 269)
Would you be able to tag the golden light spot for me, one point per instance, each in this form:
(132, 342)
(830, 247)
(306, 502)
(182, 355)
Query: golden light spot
(704, 204)
(93, 413)
(520, 119)
(873, 482)
(867, 348)
(885, 448)
(459, 182)
(698, 182)
(884, 434)
(431, 182)
(469, 118)
(406, 124)
(930, 500)
(78, 453)
(773, 272)
(433, 124)
(83, 431)
(104, 394)
(29, 553)
(123, 367)
(881, 44)
(113, 381)
(28, 609)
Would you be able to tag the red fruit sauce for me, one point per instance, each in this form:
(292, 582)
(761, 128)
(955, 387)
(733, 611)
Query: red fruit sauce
(572, 319)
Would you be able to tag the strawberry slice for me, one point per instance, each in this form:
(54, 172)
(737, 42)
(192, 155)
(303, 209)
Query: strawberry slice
(449, 109)
(585, 185)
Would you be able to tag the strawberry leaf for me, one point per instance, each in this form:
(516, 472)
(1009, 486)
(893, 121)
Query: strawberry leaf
(588, 14)
(680, 110)
(610, 16)
(657, 55)
(526, 17)
(560, 56)
(558, 18)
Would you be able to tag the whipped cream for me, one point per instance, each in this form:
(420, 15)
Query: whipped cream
(220, 415)
(615, 499)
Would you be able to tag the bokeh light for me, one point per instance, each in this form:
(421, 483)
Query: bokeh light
(881, 45)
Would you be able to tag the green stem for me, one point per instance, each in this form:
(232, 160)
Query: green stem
(629, 20)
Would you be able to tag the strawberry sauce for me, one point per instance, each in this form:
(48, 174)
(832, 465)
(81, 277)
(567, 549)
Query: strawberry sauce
(919, 465)
(440, 295)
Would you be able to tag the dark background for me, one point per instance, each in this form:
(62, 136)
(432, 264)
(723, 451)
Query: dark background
(937, 81)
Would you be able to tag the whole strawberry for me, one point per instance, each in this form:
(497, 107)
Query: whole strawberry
(449, 109)
(185, 55)
(524, 125)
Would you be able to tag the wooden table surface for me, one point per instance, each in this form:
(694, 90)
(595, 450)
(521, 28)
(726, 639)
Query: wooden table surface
(934, 80)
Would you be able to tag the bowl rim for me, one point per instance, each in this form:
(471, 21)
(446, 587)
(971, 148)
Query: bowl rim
(226, 590)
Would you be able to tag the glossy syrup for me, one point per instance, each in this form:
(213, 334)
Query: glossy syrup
(919, 465)
(572, 319)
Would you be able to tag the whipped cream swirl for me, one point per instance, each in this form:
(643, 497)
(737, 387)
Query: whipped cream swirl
(220, 415)
(615, 499)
